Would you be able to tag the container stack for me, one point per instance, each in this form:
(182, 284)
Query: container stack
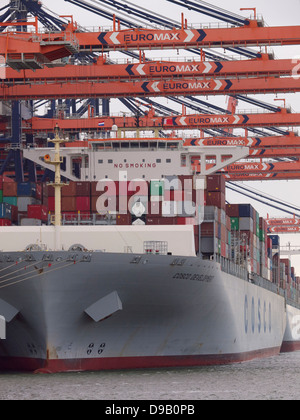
(274, 253)
(288, 280)
(232, 231)
(249, 239)
(215, 230)
(16, 199)
(165, 201)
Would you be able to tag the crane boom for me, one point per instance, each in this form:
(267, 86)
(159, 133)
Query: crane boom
(103, 70)
(152, 88)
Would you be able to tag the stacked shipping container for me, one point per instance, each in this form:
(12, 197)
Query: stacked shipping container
(249, 237)
(283, 272)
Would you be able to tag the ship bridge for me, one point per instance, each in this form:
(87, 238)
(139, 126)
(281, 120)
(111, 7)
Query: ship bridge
(125, 159)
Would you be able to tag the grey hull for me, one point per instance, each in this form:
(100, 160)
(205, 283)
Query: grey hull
(86, 311)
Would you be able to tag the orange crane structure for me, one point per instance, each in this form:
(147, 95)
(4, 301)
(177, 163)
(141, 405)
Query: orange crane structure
(140, 77)
(34, 50)
(151, 121)
(104, 70)
(283, 225)
(152, 88)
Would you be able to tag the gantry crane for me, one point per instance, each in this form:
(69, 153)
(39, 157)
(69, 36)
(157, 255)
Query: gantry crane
(151, 120)
(18, 47)
(152, 88)
(145, 79)
(103, 70)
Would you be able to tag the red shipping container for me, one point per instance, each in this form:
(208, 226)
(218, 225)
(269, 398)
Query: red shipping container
(167, 220)
(124, 219)
(207, 229)
(94, 192)
(48, 191)
(83, 204)
(93, 204)
(51, 204)
(5, 222)
(223, 249)
(4, 179)
(83, 189)
(215, 183)
(68, 203)
(14, 213)
(232, 210)
(10, 189)
(187, 221)
(152, 220)
(69, 190)
(161, 220)
(37, 212)
(216, 199)
(39, 191)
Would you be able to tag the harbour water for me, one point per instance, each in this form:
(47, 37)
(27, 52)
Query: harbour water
(275, 378)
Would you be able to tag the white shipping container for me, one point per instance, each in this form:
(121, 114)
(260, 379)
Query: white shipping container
(246, 223)
(24, 202)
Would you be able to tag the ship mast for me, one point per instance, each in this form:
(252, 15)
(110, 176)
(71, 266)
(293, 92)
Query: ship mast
(58, 185)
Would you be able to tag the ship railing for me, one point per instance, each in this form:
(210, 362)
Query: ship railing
(266, 284)
(84, 219)
(230, 267)
(293, 303)
(195, 25)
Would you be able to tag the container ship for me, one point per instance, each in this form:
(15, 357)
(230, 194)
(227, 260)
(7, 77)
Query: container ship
(138, 262)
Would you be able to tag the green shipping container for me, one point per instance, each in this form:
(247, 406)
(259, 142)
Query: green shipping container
(157, 188)
(11, 200)
(1, 196)
(261, 235)
(235, 223)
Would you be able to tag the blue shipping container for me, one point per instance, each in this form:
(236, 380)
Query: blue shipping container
(274, 239)
(245, 210)
(5, 211)
(26, 189)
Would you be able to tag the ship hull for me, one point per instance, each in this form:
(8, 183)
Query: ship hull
(291, 339)
(100, 311)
